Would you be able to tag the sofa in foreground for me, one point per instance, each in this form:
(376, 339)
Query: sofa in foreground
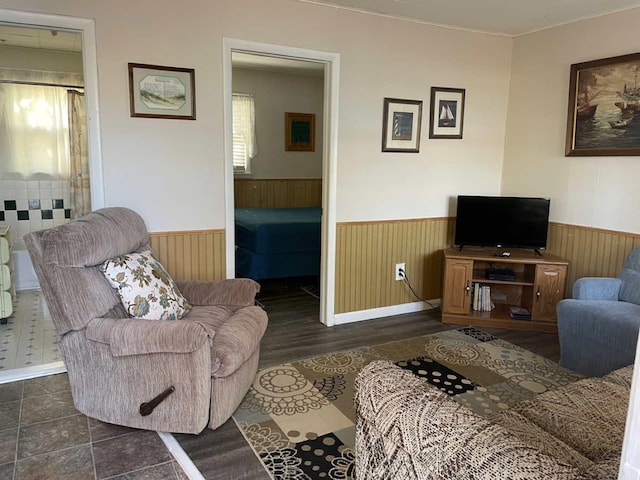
(407, 429)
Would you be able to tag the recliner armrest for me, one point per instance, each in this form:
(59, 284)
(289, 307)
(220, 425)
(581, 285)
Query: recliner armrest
(597, 288)
(133, 336)
(240, 292)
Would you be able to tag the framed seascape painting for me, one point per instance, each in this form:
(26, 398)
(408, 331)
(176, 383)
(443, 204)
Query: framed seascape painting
(162, 92)
(604, 107)
(446, 112)
(401, 120)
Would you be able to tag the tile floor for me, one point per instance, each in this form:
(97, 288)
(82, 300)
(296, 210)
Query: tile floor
(28, 338)
(43, 436)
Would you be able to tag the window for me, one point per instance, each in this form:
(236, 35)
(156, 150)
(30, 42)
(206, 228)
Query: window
(244, 132)
(34, 128)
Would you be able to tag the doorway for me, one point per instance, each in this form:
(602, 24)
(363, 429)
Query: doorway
(29, 31)
(330, 65)
(278, 183)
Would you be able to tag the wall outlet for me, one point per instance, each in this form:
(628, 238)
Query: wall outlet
(400, 266)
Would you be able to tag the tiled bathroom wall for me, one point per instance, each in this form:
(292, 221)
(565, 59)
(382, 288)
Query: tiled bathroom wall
(29, 205)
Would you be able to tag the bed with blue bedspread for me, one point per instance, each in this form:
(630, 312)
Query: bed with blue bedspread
(277, 242)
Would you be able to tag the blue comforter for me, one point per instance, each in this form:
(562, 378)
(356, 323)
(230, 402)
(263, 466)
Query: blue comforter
(277, 242)
(278, 230)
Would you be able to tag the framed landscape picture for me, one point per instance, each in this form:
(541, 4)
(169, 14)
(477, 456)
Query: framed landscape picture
(603, 118)
(162, 92)
(446, 112)
(401, 121)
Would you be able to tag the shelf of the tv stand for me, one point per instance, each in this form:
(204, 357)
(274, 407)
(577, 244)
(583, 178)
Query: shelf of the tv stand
(497, 320)
(538, 286)
(521, 279)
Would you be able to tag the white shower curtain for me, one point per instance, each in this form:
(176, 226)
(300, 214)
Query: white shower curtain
(79, 157)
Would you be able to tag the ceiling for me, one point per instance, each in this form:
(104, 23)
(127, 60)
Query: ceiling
(47, 39)
(500, 17)
(276, 64)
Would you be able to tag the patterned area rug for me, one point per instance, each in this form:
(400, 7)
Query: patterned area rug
(299, 417)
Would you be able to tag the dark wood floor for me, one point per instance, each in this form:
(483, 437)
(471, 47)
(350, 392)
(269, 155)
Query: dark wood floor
(294, 332)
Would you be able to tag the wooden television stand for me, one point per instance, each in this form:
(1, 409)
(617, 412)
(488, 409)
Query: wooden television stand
(538, 286)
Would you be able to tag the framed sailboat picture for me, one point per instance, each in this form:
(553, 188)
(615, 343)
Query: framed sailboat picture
(401, 122)
(446, 112)
(604, 107)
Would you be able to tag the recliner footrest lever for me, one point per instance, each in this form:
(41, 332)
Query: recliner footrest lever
(147, 408)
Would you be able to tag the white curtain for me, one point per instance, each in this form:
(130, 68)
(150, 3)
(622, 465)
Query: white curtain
(79, 156)
(34, 130)
(244, 131)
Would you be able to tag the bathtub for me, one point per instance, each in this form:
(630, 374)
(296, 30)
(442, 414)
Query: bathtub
(25, 275)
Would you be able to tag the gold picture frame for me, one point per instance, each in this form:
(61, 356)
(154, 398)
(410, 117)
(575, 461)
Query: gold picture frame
(300, 132)
(603, 117)
(156, 91)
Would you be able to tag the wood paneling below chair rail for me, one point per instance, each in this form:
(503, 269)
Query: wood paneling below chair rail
(193, 255)
(277, 192)
(366, 254)
(591, 252)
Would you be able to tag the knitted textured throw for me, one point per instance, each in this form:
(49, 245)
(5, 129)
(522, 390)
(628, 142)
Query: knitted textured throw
(299, 417)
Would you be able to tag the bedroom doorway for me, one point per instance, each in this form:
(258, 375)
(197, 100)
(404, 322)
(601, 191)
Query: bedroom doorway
(288, 191)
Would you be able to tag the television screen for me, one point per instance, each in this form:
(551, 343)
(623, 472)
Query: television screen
(519, 222)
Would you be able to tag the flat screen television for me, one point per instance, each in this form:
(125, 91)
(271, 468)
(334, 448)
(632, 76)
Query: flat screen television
(517, 222)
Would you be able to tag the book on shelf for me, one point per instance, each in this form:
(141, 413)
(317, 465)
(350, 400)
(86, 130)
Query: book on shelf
(476, 296)
(488, 304)
(519, 313)
(481, 298)
(486, 295)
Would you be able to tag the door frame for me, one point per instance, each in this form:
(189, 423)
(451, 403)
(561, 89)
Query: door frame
(331, 63)
(86, 27)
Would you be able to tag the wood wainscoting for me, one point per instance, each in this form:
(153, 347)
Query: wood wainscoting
(591, 252)
(367, 252)
(277, 192)
(366, 255)
(191, 255)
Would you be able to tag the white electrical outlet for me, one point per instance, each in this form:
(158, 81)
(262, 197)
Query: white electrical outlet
(400, 266)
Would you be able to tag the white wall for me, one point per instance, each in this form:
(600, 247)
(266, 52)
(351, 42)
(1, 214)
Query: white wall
(34, 59)
(276, 93)
(592, 191)
(387, 58)
(172, 171)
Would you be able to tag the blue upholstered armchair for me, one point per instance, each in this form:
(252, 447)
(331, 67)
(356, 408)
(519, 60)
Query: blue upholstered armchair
(598, 327)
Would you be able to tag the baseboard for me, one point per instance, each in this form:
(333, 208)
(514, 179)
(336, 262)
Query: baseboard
(25, 373)
(350, 317)
(180, 456)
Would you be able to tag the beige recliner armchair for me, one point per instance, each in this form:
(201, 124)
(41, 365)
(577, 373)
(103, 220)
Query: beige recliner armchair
(165, 375)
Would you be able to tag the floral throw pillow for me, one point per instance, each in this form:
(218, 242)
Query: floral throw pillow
(144, 287)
